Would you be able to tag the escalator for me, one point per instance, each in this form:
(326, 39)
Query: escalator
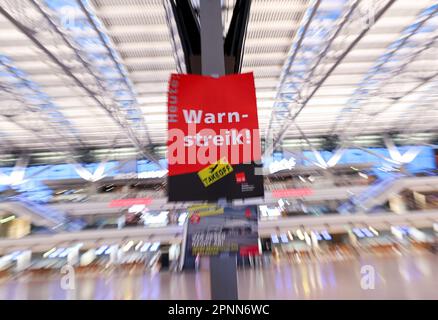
(376, 195)
(40, 215)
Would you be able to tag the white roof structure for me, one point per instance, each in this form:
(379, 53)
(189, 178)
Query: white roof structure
(78, 75)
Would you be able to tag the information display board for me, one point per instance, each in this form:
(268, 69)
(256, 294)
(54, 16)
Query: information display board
(211, 231)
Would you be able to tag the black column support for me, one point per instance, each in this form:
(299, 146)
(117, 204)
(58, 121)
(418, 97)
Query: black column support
(236, 35)
(223, 268)
(190, 35)
(214, 56)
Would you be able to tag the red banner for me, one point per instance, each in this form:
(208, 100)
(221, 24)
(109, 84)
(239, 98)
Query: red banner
(212, 128)
(209, 117)
(285, 193)
(129, 202)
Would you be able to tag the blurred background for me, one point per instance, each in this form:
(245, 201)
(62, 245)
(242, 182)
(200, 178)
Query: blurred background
(346, 96)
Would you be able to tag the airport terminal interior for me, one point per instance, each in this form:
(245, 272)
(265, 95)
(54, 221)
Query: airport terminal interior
(340, 200)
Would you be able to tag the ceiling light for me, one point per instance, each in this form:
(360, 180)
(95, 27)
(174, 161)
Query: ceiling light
(45, 255)
(397, 232)
(101, 250)
(110, 249)
(317, 235)
(300, 234)
(363, 175)
(155, 246)
(376, 233)
(145, 247)
(65, 253)
(358, 233)
(284, 238)
(326, 235)
(128, 246)
(307, 238)
(182, 218)
(137, 247)
(367, 232)
(56, 253)
(7, 219)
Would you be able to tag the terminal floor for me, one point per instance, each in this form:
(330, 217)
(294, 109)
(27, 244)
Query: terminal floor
(402, 277)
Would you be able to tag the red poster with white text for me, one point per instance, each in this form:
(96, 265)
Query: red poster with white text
(213, 138)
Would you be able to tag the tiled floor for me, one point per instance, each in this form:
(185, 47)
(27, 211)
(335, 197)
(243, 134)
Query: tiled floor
(404, 277)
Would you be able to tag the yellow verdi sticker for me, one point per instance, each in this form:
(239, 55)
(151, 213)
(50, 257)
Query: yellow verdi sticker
(215, 172)
(204, 210)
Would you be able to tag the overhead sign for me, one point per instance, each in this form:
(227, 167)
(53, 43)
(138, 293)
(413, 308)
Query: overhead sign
(292, 193)
(213, 138)
(129, 202)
